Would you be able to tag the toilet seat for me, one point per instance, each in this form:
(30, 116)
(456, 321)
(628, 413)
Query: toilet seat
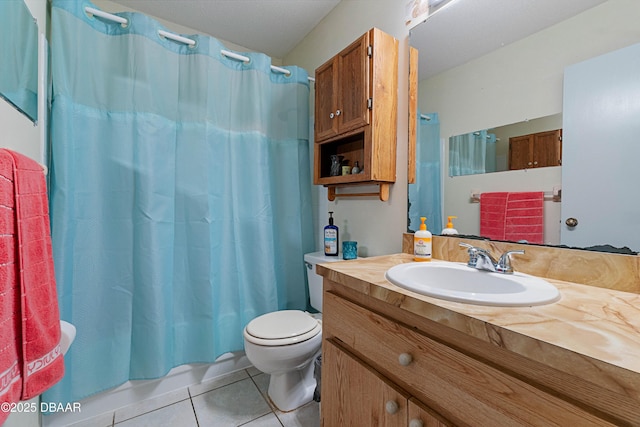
(284, 327)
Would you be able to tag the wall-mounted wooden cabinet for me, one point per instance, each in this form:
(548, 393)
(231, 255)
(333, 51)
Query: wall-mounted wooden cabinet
(342, 91)
(356, 99)
(536, 150)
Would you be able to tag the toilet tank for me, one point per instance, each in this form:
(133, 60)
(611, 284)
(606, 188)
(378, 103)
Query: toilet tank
(314, 280)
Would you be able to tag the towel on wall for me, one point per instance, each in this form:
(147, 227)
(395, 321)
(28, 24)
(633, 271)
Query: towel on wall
(512, 216)
(30, 355)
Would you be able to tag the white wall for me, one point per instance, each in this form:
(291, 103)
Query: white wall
(515, 83)
(377, 226)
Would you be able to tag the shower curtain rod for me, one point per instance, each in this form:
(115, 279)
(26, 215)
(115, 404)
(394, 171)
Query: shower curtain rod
(120, 20)
(175, 37)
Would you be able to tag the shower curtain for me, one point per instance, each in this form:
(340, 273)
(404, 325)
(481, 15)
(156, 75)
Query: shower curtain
(180, 196)
(468, 153)
(425, 196)
(491, 160)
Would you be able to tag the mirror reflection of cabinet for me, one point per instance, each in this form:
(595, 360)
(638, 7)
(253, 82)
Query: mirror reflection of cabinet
(356, 114)
(536, 150)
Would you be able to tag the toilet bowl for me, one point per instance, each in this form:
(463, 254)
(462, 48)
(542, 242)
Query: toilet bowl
(285, 343)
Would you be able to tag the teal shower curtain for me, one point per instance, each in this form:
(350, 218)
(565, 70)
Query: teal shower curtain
(180, 196)
(468, 153)
(425, 196)
(19, 57)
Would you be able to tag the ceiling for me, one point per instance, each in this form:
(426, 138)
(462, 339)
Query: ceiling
(468, 29)
(273, 27)
(455, 34)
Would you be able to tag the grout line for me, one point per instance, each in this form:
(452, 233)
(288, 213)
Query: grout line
(193, 407)
(265, 396)
(155, 408)
(217, 379)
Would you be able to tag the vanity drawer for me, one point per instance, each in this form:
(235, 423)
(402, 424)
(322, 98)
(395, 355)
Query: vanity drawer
(463, 389)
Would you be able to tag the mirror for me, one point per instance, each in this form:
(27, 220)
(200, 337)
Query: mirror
(530, 144)
(485, 64)
(19, 53)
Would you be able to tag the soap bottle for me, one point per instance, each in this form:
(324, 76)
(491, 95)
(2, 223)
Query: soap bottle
(422, 243)
(449, 230)
(331, 238)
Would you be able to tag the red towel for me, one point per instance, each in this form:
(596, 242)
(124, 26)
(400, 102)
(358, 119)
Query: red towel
(512, 216)
(10, 350)
(30, 317)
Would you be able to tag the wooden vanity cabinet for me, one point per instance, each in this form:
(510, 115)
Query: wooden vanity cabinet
(376, 401)
(356, 98)
(536, 150)
(370, 358)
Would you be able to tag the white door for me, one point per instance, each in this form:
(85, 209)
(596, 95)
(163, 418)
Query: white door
(601, 151)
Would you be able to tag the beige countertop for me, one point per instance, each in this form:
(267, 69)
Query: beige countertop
(590, 330)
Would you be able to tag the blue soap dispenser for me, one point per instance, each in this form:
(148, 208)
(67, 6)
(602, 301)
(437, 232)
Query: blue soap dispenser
(331, 238)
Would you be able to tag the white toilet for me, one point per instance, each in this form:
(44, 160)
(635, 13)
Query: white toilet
(285, 344)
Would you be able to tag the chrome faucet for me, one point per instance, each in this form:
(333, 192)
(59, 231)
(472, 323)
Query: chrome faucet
(482, 260)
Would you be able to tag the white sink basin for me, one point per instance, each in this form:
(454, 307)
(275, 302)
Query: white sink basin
(457, 282)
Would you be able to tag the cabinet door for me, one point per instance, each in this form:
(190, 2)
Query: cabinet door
(353, 394)
(520, 152)
(547, 148)
(354, 85)
(326, 122)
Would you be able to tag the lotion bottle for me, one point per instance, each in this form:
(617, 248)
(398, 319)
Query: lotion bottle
(422, 243)
(331, 238)
(449, 230)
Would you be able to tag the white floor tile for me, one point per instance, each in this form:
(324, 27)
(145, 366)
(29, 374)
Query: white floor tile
(218, 382)
(306, 416)
(177, 415)
(253, 371)
(262, 382)
(269, 420)
(237, 399)
(232, 405)
(103, 420)
(149, 405)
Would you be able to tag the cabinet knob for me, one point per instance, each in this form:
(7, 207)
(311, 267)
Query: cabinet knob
(405, 359)
(571, 222)
(338, 112)
(529, 163)
(416, 423)
(331, 115)
(391, 407)
(535, 163)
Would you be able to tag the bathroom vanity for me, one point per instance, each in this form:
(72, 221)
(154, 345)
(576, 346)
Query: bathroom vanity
(392, 357)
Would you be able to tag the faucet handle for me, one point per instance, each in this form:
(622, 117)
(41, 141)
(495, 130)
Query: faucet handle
(473, 253)
(504, 264)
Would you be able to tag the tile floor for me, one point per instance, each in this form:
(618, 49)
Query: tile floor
(237, 399)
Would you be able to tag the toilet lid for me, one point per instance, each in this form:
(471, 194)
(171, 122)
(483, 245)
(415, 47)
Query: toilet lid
(284, 324)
